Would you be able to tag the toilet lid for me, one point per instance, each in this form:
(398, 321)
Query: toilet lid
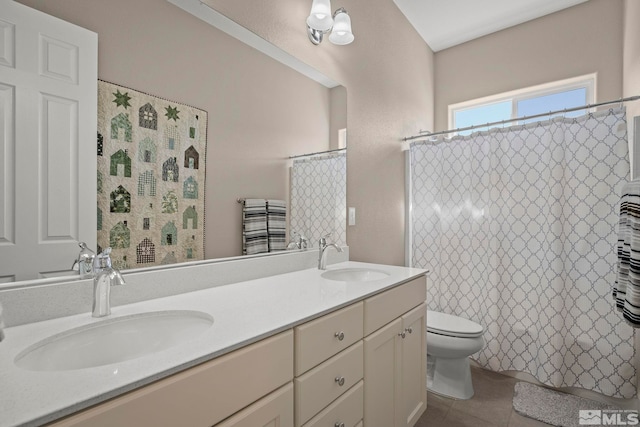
(453, 326)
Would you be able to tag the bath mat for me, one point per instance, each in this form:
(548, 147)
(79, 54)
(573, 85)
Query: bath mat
(562, 409)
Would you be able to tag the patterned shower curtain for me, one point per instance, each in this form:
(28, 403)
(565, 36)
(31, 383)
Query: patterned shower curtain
(518, 229)
(319, 198)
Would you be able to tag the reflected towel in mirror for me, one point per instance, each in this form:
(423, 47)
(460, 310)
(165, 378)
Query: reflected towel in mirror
(277, 225)
(254, 227)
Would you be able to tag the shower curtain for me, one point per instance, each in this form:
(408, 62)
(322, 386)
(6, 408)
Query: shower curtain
(518, 229)
(319, 198)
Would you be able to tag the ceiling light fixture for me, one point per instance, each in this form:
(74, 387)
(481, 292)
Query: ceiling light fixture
(320, 22)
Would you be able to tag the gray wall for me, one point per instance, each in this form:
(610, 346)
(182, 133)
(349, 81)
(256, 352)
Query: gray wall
(583, 39)
(631, 66)
(388, 73)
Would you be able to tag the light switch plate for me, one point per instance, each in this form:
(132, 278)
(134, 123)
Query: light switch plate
(352, 216)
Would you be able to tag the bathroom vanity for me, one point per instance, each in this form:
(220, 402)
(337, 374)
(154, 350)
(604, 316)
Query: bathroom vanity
(295, 349)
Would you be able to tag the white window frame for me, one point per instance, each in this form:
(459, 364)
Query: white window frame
(588, 81)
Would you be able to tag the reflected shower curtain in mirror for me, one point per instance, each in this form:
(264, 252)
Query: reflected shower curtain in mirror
(319, 198)
(518, 229)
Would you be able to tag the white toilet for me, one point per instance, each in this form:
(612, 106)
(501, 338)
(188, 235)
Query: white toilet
(450, 342)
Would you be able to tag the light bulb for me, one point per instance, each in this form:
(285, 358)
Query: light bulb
(320, 16)
(341, 33)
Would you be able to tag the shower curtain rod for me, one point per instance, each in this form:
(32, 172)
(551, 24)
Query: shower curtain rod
(319, 152)
(501, 122)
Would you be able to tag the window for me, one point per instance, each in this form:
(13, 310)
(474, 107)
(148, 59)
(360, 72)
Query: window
(560, 95)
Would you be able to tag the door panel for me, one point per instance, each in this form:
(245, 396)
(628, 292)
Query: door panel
(48, 116)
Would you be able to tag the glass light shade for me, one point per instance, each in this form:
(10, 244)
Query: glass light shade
(341, 33)
(320, 17)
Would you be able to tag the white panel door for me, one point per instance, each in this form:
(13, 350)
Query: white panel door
(48, 125)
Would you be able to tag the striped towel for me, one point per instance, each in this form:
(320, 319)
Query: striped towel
(626, 290)
(277, 225)
(254, 227)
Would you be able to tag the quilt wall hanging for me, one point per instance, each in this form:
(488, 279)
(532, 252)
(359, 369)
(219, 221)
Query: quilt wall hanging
(151, 176)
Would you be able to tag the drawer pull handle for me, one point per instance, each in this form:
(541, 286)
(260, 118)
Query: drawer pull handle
(410, 330)
(340, 381)
(339, 424)
(339, 335)
(402, 334)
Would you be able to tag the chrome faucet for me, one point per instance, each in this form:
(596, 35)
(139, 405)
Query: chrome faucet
(322, 252)
(299, 243)
(84, 263)
(105, 277)
(1, 325)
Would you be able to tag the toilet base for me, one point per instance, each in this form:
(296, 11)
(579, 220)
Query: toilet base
(450, 378)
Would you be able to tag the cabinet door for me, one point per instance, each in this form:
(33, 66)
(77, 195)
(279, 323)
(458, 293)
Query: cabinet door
(274, 410)
(382, 362)
(414, 366)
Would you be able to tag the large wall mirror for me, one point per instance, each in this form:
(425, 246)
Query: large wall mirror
(260, 111)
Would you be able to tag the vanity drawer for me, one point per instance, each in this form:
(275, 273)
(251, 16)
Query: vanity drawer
(200, 396)
(319, 387)
(275, 409)
(347, 409)
(318, 340)
(387, 306)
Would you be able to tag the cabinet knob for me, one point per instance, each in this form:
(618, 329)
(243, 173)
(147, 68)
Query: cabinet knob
(340, 381)
(402, 334)
(339, 335)
(410, 330)
(339, 424)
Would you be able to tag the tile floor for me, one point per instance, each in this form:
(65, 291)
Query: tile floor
(491, 405)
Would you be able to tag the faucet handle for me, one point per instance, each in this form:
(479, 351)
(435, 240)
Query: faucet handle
(103, 259)
(84, 262)
(323, 240)
(85, 253)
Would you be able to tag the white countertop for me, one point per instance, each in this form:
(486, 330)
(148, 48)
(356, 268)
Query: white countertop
(243, 313)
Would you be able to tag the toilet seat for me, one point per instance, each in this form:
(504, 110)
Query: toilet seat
(452, 326)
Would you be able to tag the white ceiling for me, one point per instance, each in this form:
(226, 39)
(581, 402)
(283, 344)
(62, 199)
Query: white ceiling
(446, 23)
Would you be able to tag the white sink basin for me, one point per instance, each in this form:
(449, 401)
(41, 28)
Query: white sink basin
(354, 275)
(114, 340)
